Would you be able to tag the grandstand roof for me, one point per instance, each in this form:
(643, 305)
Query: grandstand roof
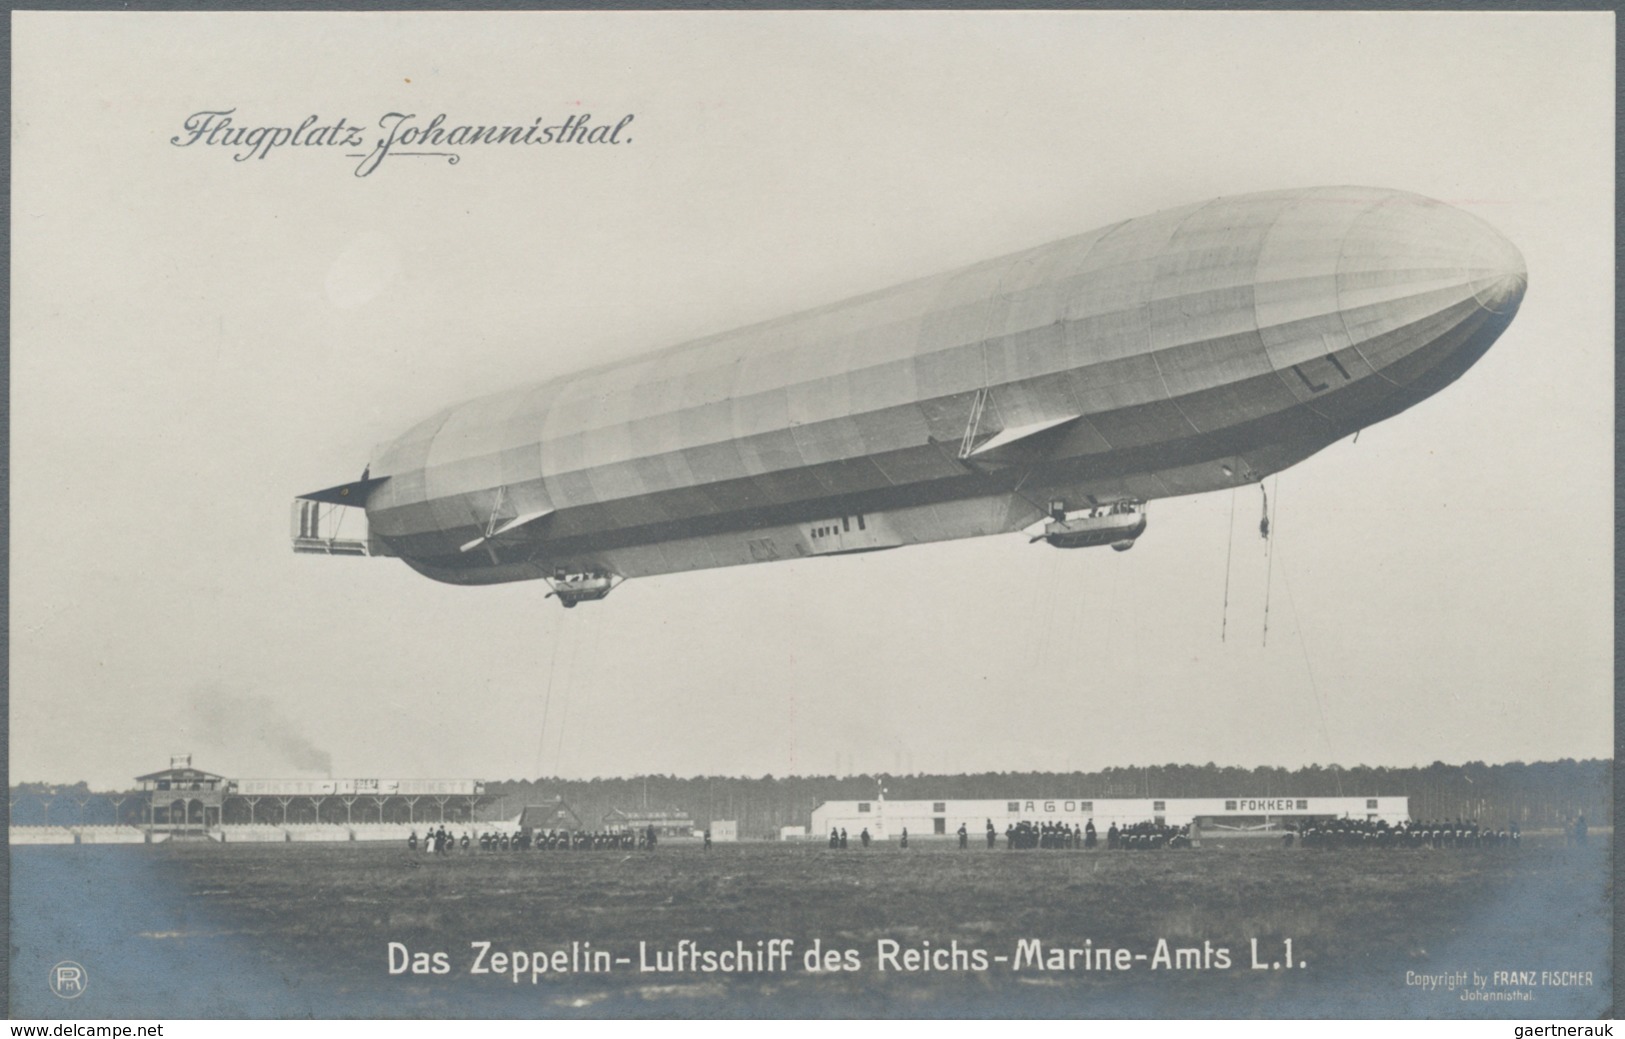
(185, 774)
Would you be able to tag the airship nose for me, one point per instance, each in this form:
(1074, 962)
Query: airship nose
(1406, 259)
(1423, 289)
(1496, 272)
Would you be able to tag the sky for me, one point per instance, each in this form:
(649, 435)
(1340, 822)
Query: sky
(195, 340)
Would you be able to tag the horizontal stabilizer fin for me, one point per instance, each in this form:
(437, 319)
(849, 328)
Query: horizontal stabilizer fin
(1013, 434)
(355, 493)
(505, 527)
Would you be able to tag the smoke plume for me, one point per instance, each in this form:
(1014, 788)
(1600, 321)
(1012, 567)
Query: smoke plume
(232, 719)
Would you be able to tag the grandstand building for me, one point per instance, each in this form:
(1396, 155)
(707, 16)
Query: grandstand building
(182, 798)
(884, 818)
(351, 800)
(184, 802)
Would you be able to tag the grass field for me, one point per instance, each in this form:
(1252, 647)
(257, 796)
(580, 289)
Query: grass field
(210, 930)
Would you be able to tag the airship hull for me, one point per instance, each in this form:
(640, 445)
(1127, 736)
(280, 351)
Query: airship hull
(1188, 351)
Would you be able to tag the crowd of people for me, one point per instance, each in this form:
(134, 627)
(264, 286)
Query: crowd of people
(1148, 836)
(1062, 836)
(1141, 836)
(1375, 833)
(440, 841)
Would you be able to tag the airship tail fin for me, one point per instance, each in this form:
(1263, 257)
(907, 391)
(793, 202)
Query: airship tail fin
(354, 493)
(1015, 444)
(319, 530)
(496, 528)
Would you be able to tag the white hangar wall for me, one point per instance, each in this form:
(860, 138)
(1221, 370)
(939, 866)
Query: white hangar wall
(927, 818)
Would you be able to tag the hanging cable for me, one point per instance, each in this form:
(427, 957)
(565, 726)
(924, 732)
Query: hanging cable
(564, 714)
(1229, 550)
(547, 701)
(1308, 668)
(1269, 553)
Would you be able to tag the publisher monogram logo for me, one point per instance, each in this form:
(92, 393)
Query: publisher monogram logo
(68, 980)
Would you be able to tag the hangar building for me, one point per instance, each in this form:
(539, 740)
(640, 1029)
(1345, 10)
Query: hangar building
(884, 818)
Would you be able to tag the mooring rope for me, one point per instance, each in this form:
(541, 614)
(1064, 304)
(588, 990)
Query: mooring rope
(1229, 551)
(1269, 550)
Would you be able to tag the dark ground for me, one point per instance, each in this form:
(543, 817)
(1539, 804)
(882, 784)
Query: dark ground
(206, 930)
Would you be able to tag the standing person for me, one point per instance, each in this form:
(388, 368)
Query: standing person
(1089, 835)
(992, 836)
(864, 837)
(412, 841)
(834, 837)
(905, 837)
(964, 837)
(708, 838)
(651, 836)
(843, 838)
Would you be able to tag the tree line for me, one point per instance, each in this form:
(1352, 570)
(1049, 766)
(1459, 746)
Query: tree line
(1534, 795)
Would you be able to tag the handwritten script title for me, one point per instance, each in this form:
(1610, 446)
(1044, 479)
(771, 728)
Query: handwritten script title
(395, 134)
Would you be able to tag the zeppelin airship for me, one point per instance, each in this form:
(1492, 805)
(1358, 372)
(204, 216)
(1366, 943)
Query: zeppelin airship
(1057, 389)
